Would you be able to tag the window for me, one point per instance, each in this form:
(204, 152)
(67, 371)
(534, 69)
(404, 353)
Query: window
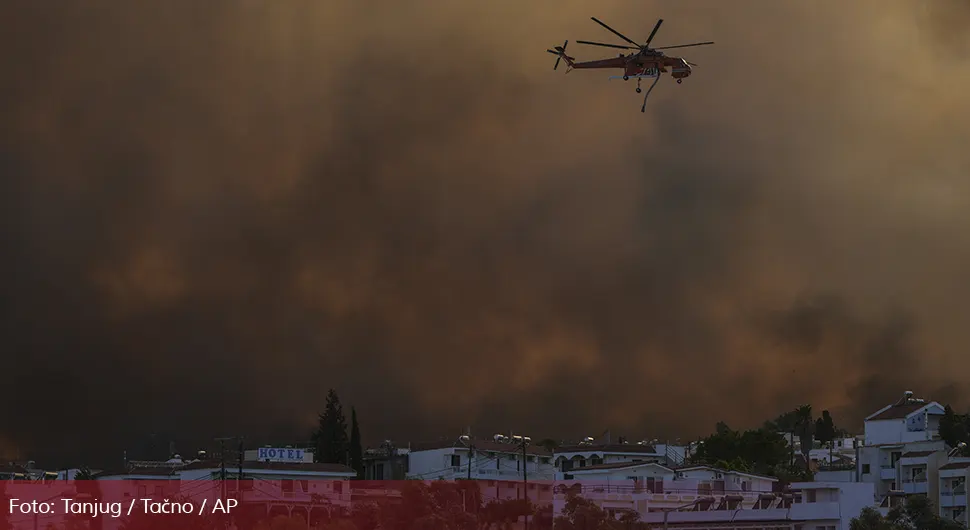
(142, 491)
(544, 460)
(379, 471)
(158, 490)
(286, 486)
(810, 496)
(338, 487)
(455, 460)
(865, 469)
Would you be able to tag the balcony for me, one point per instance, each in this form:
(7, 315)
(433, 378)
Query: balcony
(887, 472)
(956, 498)
(915, 485)
(815, 511)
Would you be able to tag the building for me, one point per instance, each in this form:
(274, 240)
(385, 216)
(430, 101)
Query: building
(308, 490)
(386, 463)
(589, 453)
(479, 459)
(703, 497)
(646, 487)
(806, 506)
(27, 471)
(279, 454)
(952, 485)
(902, 448)
(507, 471)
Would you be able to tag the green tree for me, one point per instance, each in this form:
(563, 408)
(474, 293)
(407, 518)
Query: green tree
(439, 505)
(955, 428)
(84, 473)
(581, 514)
(761, 451)
(356, 450)
(805, 430)
(330, 439)
(917, 513)
(786, 423)
(870, 519)
(548, 444)
(825, 431)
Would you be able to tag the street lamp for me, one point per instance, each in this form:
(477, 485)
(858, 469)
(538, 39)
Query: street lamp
(956, 449)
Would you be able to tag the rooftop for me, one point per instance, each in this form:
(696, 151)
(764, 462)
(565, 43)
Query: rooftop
(482, 445)
(617, 465)
(608, 448)
(917, 454)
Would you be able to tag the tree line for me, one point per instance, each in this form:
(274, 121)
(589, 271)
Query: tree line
(332, 443)
(769, 450)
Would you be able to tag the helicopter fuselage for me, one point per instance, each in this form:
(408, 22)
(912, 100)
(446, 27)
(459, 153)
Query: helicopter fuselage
(652, 63)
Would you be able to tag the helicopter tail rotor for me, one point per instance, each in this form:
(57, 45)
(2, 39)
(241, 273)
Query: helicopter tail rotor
(560, 53)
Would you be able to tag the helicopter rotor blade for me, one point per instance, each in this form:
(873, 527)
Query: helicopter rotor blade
(617, 33)
(692, 64)
(620, 46)
(654, 32)
(684, 45)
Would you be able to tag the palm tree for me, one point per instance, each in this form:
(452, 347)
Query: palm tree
(805, 430)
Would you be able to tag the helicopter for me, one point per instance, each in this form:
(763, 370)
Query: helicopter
(644, 63)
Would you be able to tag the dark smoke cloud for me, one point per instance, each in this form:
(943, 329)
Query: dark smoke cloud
(213, 212)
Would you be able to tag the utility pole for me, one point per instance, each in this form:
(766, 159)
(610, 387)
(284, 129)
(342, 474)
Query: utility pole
(467, 442)
(525, 481)
(222, 457)
(242, 454)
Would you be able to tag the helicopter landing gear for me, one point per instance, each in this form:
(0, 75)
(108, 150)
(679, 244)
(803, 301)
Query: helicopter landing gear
(679, 81)
(639, 90)
(626, 78)
(638, 85)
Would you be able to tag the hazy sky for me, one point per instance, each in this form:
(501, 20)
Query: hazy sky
(212, 212)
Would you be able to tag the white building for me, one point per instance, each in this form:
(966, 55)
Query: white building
(578, 456)
(276, 484)
(649, 486)
(703, 497)
(479, 459)
(902, 448)
(953, 489)
(504, 467)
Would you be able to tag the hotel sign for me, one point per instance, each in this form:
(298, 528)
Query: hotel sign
(280, 454)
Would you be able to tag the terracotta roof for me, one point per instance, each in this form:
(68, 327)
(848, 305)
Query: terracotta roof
(956, 465)
(898, 412)
(482, 445)
(616, 465)
(917, 454)
(608, 448)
